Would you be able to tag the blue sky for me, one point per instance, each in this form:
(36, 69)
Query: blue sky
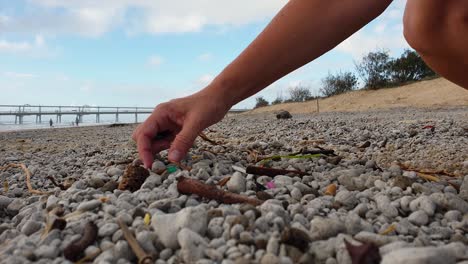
(141, 53)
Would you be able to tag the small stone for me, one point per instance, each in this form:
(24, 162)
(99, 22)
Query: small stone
(273, 246)
(122, 250)
(145, 239)
(237, 183)
(46, 252)
(402, 182)
(323, 228)
(158, 166)
(452, 215)
(296, 194)
(51, 202)
(296, 237)
(165, 254)
(422, 255)
(246, 238)
(151, 182)
(346, 198)
(379, 240)
(418, 218)
(424, 203)
(96, 181)
(109, 186)
(114, 171)
(89, 205)
(450, 201)
(236, 230)
(283, 114)
(166, 225)
(269, 259)
(192, 245)
(4, 202)
(464, 187)
(107, 229)
(384, 205)
(31, 227)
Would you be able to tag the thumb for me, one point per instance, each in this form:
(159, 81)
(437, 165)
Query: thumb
(183, 141)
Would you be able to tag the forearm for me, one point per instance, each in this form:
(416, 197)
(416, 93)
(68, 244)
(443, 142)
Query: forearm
(301, 32)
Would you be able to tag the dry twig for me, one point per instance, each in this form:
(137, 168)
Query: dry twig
(224, 181)
(192, 186)
(427, 171)
(28, 177)
(60, 185)
(143, 257)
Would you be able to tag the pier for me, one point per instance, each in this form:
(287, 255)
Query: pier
(57, 111)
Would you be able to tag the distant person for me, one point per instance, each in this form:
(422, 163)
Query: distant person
(301, 32)
(51, 123)
(77, 120)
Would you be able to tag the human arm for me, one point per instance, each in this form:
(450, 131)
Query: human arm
(301, 32)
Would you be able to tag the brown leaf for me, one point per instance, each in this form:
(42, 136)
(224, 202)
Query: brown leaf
(367, 253)
(331, 190)
(133, 178)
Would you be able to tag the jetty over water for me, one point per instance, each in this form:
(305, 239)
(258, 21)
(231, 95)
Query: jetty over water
(57, 111)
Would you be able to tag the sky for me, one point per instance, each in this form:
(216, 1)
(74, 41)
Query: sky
(145, 52)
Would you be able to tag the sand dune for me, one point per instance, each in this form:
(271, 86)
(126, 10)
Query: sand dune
(433, 93)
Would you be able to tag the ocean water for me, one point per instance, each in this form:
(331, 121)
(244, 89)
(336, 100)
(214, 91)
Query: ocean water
(29, 122)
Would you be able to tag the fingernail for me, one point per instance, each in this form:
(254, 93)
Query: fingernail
(175, 155)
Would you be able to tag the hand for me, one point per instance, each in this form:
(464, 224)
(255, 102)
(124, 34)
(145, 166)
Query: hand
(176, 124)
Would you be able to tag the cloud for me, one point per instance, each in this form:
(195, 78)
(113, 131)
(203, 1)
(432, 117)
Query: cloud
(37, 47)
(94, 18)
(18, 75)
(155, 60)
(9, 46)
(204, 57)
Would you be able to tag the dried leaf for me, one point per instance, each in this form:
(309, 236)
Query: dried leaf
(428, 177)
(331, 190)
(388, 230)
(367, 253)
(147, 219)
(133, 178)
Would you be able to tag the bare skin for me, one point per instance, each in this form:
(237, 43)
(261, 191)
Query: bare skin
(292, 39)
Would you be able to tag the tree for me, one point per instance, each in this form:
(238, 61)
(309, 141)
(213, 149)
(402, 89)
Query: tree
(261, 102)
(409, 67)
(278, 100)
(374, 69)
(299, 94)
(339, 83)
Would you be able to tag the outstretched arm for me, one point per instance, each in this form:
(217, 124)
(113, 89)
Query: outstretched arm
(301, 32)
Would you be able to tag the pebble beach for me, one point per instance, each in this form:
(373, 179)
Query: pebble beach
(395, 187)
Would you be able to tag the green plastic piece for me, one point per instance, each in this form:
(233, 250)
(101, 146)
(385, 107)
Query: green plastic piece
(171, 169)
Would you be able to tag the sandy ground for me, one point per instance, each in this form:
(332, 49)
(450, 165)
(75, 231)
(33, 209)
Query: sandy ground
(433, 93)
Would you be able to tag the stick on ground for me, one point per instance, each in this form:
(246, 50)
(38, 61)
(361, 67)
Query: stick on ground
(28, 177)
(192, 186)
